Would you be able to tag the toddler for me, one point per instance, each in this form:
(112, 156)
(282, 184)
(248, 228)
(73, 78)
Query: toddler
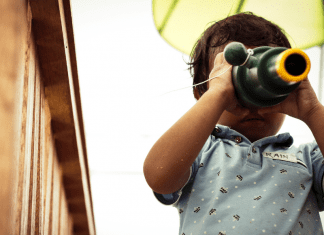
(223, 166)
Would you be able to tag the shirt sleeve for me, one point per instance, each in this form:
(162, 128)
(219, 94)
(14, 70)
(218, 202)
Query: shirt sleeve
(318, 171)
(173, 198)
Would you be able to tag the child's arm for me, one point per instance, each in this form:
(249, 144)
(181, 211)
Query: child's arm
(303, 105)
(315, 122)
(167, 165)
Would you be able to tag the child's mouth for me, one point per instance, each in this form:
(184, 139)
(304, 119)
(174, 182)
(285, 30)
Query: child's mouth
(252, 119)
(254, 122)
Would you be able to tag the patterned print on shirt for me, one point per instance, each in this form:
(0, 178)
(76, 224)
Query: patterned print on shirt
(257, 198)
(236, 218)
(239, 177)
(301, 224)
(197, 209)
(283, 171)
(302, 186)
(212, 211)
(223, 190)
(283, 210)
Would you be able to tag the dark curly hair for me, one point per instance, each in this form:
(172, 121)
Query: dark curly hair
(246, 28)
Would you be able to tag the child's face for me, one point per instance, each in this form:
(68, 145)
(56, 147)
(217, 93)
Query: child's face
(253, 125)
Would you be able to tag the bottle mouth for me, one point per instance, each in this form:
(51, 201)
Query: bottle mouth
(293, 65)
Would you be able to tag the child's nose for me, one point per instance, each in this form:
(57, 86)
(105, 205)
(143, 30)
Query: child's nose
(254, 110)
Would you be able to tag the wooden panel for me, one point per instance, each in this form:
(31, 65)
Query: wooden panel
(45, 186)
(43, 162)
(26, 41)
(12, 30)
(35, 183)
(65, 219)
(79, 135)
(49, 185)
(29, 146)
(56, 198)
(63, 209)
(52, 27)
(41, 183)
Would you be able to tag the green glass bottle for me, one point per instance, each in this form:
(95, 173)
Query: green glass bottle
(265, 76)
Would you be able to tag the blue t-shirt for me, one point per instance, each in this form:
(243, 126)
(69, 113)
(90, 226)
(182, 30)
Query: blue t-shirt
(239, 187)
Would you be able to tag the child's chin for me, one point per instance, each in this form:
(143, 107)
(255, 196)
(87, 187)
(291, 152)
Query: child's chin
(254, 130)
(254, 123)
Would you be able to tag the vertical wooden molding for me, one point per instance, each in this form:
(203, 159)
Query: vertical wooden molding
(21, 155)
(42, 157)
(64, 219)
(32, 141)
(53, 186)
(39, 193)
(12, 31)
(59, 198)
(25, 218)
(21, 112)
(71, 224)
(49, 188)
(84, 172)
(56, 194)
(36, 156)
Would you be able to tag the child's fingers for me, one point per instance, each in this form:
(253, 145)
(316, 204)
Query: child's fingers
(220, 66)
(218, 62)
(219, 59)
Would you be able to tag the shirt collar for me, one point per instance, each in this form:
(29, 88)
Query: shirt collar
(283, 140)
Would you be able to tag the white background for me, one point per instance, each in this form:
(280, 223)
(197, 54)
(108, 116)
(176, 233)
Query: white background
(124, 66)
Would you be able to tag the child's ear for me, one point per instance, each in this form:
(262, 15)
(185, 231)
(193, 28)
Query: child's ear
(196, 94)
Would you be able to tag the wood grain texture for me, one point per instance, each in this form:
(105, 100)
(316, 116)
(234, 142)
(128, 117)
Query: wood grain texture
(35, 183)
(43, 162)
(52, 27)
(11, 72)
(26, 42)
(29, 146)
(47, 185)
(75, 109)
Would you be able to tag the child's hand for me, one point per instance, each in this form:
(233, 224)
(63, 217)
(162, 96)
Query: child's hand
(223, 84)
(301, 103)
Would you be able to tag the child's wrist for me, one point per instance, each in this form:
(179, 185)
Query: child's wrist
(314, 116)
(220, 95)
